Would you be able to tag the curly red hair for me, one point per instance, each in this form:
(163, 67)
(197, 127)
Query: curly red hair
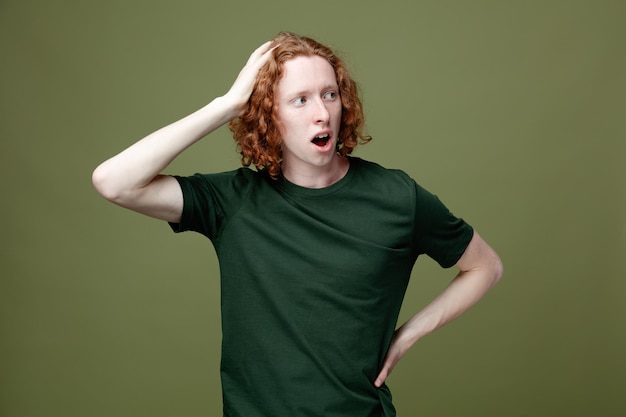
(257, 131)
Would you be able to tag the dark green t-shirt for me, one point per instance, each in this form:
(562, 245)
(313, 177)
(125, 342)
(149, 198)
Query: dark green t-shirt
(312, 281)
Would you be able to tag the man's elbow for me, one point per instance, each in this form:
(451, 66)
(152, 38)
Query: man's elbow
(105, 185)
(496, 267)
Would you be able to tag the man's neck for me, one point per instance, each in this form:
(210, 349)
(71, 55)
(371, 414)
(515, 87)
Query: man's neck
(318, 177)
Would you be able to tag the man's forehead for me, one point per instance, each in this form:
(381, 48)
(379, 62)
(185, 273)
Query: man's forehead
(312, 71)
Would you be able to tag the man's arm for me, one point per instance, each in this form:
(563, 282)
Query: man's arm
(480, 269)
(132, 178)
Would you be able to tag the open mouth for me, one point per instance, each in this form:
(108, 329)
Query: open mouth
(321, 140)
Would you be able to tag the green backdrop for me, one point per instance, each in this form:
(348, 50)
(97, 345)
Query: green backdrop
(512, 111)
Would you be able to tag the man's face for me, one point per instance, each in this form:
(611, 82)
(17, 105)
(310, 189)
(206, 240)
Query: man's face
(309, 110)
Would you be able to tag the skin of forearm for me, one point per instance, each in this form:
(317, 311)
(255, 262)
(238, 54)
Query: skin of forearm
(139, 164)
(463, 292)
(467, 288)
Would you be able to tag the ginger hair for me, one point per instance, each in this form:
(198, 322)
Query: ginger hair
(257, 130)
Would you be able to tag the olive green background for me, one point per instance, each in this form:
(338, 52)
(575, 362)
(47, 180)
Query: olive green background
(513, 112)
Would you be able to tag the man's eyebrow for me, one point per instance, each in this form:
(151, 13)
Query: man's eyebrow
(307, 91)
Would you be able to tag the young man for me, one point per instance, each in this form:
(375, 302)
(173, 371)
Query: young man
(315, 246)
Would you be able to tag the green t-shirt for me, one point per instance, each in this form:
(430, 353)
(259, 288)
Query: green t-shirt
(312, 281)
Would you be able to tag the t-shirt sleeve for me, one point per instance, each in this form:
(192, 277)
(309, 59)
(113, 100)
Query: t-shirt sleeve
(209, 200)
(439, 233)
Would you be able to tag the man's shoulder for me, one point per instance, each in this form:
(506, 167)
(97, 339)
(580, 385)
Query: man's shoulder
(377, 173)
(242, 174)
(235, 183)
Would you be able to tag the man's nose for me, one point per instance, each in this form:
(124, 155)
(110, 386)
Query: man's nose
(321, 112)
